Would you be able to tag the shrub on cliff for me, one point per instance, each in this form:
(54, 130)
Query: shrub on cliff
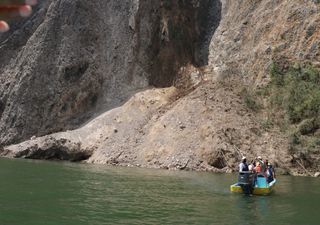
(309, 126)
(297, 90)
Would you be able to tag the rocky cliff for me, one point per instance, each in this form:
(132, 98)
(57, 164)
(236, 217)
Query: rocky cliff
(164, 84)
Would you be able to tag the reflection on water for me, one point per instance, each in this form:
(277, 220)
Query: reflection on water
(33, 192)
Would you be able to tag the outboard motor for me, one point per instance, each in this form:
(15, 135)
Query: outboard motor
(246, 181)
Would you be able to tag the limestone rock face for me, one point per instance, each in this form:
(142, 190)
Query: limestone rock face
(78, 60)
(74, 59)
(149, 83)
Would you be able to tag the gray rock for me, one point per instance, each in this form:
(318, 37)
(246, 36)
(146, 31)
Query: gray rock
(49, 148)
(73, 59)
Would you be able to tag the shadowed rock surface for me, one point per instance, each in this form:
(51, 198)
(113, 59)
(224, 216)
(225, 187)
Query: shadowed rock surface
(74, 59)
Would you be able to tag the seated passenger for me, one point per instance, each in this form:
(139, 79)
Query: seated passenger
(251, 167)
(258, 168)
(262, 164)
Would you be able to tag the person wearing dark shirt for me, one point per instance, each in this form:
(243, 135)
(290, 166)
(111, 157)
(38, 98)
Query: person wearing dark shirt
(243, 165)
(270, 173)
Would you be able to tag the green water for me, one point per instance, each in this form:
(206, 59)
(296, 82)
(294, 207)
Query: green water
(48, 193)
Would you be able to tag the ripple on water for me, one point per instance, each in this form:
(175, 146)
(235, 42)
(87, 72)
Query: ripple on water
(34, 192)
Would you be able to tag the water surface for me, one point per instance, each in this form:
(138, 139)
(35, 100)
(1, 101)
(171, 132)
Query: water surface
(52, 193)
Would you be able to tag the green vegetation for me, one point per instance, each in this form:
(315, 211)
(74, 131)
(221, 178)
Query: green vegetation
(250, 100)
(293, 104)
(295, 93)
(267, 123)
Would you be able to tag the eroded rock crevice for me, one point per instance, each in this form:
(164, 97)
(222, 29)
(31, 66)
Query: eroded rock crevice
(182, 37)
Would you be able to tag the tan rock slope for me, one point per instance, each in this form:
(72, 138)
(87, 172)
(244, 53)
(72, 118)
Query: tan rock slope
(150, 83)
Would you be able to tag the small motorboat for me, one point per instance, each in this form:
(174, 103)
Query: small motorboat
(251, 183)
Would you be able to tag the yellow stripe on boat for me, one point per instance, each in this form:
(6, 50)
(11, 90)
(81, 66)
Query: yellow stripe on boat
(256, 191)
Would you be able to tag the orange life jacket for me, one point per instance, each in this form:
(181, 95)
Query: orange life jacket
(258, 169)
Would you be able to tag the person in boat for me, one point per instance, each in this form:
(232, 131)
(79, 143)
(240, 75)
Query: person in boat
(262, 164)
(243, 166)
(258, 168)
(251, 168)
(246, 179)
(266, 163)
(270, 173)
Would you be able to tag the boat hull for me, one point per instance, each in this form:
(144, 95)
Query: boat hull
(236, 188)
